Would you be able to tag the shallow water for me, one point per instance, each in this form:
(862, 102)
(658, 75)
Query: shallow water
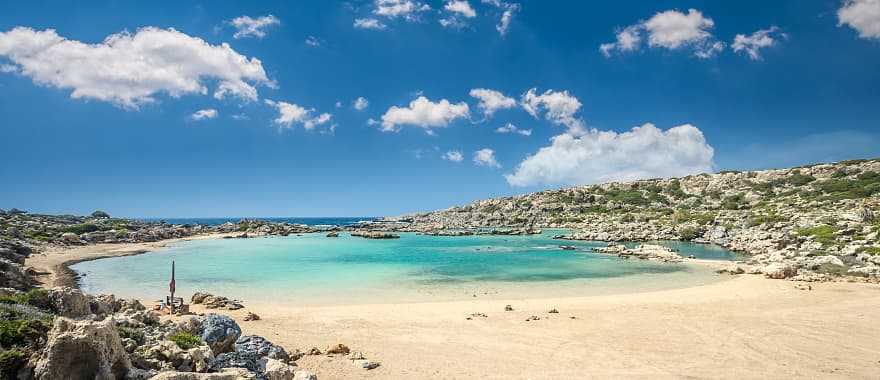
(313, 269)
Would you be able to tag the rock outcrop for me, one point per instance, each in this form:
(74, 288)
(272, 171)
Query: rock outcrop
(83, 350)
(220, 333)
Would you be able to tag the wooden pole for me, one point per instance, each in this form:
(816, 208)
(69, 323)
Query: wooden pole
(171, 286)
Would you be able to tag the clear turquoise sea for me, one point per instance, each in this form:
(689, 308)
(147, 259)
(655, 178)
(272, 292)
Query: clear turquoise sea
(312, 269)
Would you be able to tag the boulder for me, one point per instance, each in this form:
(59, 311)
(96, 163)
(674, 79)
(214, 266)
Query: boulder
(246, 360)
(261, 347)
(226, 374)
(278, 370)
(220, 332)
(70, 237)
(166, 354)
(304, 375)
(70, 302)
(82, 350)
(779, 270)
(14, 276)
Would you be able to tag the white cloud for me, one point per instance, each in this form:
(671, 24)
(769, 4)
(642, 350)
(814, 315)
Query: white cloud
(628, 39)
(672, 30)
(245, 26)
(602, 156)
(560, 108)
(461, 7)
(368, 23)
(509, 9)
(424, 113)
(290, 114)
(6, 68)
(752, 44)
(453, 155)
(861, 15)
(313, 41)
(130, 69)
(510, 128)
(208, 113)
(338, 104)
(486, 157)
(361, 103)
(407, 9)
(491, 100)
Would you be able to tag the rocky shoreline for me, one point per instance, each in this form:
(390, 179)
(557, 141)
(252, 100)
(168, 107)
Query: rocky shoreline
(818, 221)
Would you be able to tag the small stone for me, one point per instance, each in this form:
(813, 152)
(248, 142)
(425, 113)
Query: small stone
(339, 348)
(251, 317)
(313, 351)
(508, 308)
(367, 364)
(356, 355)
(553, 311)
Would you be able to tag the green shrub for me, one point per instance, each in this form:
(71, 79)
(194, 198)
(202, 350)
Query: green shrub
(734, 202)
(21, 332)
(798, 179)
(870, 250)
(674, 189)
(80, 229)
(185, 340)
(629, 197)
(770, 218)
(11, 362)
(37, 297)
(689, 233)
(823, 234)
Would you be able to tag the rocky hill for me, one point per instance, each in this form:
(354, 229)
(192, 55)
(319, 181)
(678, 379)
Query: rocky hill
(814, 221)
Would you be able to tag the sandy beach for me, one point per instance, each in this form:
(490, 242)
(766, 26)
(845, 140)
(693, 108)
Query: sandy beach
(744, 327)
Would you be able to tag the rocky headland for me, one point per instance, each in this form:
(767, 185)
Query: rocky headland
(811, 223)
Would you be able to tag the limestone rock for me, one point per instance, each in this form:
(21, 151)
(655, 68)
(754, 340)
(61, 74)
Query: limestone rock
(779, 270)
(304, 375)
(278, 370)
(82, 350)
(225, 374)
(70, 302)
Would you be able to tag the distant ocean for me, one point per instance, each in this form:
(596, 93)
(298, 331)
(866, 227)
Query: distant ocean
(311, 221)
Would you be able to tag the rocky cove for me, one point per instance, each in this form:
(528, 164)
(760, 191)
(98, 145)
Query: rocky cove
(814, 223)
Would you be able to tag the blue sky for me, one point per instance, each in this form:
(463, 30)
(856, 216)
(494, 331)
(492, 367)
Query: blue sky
(90, 123)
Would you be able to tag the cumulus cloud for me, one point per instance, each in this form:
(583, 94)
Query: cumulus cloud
(510, 128)
(457, 11)
(558, 107)
(368, 23)
(406, 9)
(424, 113)
(861, 15)
(671, 30)
(602, 156)
(753, 43)
(208, 113)
(360, 104)
(461, 7)
(486, 157)
(290, 114)
(245, 26)
(508, 10)
(453, 155)
(491, 100)
(130, 69)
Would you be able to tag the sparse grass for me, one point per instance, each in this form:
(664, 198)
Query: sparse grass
(11, 361)
(734, 202)
(80, 229)
(689, 233)
(37, 297)
(769, 218)
(185, 340)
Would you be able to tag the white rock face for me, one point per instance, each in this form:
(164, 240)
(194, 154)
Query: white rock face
(278, 370)
(82, 350)
(779, 270)
(305, 375)
(70, 302)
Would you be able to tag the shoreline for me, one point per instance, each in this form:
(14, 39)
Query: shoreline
(53, 265)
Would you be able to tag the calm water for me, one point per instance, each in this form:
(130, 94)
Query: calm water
(314, 269)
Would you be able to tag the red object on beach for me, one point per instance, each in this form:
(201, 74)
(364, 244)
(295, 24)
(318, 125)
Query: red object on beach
(172, 284)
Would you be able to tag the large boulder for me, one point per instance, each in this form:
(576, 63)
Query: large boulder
(261, 347)
(226, 374)
(82, 350)
(247, 360)
(13, 275)
(278, 370)
(779, 270)
(166, 354)
(220, 332)
(70, 302)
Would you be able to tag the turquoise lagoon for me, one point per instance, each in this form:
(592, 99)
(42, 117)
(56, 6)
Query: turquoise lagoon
(312, 269)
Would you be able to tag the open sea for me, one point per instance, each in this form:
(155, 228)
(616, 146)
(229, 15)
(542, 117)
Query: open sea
(312, 269)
